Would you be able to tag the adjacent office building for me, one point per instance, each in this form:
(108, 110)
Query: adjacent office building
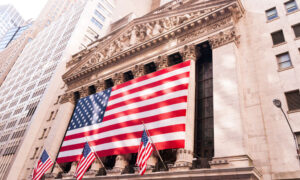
(13, 34)
(9, 18)
(30, 89)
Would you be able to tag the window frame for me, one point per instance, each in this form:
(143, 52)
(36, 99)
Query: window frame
(273, 33)
(279, 62)
(287, 102)
(289, 10)
(296, 25)
(270, 18)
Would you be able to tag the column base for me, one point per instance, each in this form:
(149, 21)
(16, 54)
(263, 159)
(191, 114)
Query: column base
(184, 160)
(115, 171)
(231, 162)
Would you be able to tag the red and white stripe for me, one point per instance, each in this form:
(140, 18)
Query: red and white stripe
(158, 99)
(143, 155)
(41, 168)
(83, 165)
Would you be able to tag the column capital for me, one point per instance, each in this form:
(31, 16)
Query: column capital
(99, 85)
(161, 62)
(117, 78)
(84, 91)
(188, 52)
(138, 70)
(223, 38)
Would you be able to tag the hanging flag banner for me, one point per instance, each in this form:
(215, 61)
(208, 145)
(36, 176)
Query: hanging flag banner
(112, 119)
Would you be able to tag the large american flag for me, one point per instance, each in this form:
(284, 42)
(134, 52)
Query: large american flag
(42, 166)
(112, 119)
(88, 156)
(144, 153)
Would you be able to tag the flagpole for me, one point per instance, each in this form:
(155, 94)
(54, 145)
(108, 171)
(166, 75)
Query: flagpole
(96, 154)
(154, 146)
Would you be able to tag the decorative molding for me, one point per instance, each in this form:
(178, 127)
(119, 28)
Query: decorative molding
(188, 52)
(138, 70)
(161, 62)
(223, 38)
(67, 97)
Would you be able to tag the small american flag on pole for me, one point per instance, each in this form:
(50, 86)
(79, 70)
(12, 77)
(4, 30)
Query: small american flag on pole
(111, 120)
(88, 156)
(144, 153)
(42, 166)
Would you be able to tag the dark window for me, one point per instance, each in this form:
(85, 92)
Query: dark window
(128, 76)
(150, 67)
(109, 83)
(291, 6)
(175, 58)
(293, 100)
(76, 96)
(271, 14)
(277, 37)
(284, 61)
(92, 89)
(296, 29)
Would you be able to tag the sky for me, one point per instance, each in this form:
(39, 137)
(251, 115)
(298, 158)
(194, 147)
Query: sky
(27, 8)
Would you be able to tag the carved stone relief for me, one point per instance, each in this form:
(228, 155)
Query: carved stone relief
(223, 38)
(161, 62)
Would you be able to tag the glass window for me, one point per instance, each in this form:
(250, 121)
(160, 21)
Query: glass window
(284, 61)
(277, 37)
(296, 29)
(271, 13)
(291, 6)
(103, 9)
(99, 15)
(107, 4)
(293, 99)
(97, 23)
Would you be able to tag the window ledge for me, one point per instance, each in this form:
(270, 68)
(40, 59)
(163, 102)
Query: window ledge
(276, 45)
(293, 111)
(283, 69)
(293, 12)
(268, 21)
(297, 38)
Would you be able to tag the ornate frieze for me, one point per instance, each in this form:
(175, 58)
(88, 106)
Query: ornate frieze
(206, 29)
(223, 38)
(141, 35)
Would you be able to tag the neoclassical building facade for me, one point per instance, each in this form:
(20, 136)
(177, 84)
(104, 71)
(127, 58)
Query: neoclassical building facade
(232, 129)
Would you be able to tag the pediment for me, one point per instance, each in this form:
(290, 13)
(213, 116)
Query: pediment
(140, 33)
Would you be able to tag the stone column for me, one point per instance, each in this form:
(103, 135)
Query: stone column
(229, 140)
(184, 156)
(151, 162)
(56, 171)
(72, 170)
(94, 170)
(121, 163)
